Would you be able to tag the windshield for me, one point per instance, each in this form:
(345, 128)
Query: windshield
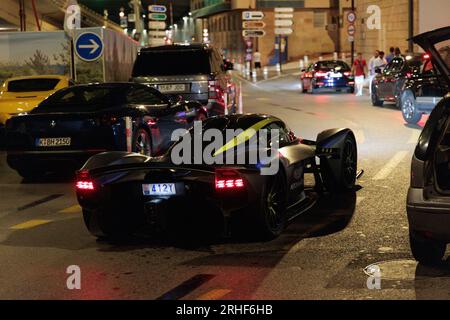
(331, 65)
(32, 85)
(84, 98)
(179, 62)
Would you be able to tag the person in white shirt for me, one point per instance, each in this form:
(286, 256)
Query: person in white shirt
(372, 62)
(257, 59)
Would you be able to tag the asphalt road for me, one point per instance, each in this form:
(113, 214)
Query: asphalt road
(321, 255)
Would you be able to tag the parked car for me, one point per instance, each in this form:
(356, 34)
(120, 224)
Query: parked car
(64, 130)
(21, 94)
(411, 84)
(122, 193)
(334, 75)
(428, 202)
(195, 72)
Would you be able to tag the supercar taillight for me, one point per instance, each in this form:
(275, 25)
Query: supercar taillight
(84, 181)
(227, 179)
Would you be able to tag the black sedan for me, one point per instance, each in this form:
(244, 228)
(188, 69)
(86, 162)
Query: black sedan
(123, 193)
(428, 202)
(332, 75)
(77, 122)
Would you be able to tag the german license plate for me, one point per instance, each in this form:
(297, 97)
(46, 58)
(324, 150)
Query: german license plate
(158, 189)
(172, 87)
(54, 142)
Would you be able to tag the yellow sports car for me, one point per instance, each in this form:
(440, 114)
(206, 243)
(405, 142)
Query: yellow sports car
(22, 94)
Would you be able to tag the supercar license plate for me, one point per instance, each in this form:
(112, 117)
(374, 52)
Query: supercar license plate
(54, 142)
(336, 75)
(172, 87)
(159, 189)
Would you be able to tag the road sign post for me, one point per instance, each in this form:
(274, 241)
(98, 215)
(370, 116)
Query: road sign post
(89, 46)
(283, 27)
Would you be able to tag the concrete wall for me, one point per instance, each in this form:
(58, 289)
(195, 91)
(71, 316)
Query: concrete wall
(394, 26)
(433, 14)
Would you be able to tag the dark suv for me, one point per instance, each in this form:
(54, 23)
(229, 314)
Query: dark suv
(411, 84)
(194, 72)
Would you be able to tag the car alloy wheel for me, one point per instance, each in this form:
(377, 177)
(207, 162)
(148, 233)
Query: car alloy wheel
(409, 109)
(349, 163)
(275, 202)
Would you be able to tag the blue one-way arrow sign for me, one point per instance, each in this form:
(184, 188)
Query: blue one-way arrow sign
(89, 46)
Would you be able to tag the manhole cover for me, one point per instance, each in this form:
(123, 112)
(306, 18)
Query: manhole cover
(393, 270)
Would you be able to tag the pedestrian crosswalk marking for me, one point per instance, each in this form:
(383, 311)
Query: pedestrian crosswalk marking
(215, 294)
(73, 209)
(30, 224)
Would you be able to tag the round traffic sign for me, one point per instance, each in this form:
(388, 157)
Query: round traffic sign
(351, 30)
(351, 38)
(351, 17)
(89, 46)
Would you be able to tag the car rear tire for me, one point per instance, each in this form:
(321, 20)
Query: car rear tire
(271, 214)
(409, 108)
(302, 87)
(339, 175)
(376, 101)
(142, 143)
(426, 251)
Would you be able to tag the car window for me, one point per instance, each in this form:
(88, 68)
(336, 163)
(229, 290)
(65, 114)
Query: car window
(395, 66)
(83, 98)
(172, 62)
(144, 96)
(30, 85)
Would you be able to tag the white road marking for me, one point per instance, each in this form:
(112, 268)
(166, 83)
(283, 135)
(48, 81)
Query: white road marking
(391, 165)
(263, 99)
(414, 137)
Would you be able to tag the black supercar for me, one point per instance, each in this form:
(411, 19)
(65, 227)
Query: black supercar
(122, 193)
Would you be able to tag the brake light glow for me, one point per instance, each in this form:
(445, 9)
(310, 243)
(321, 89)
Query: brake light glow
(85, 185)
(426, 56)
(228, 179)
(84, 181)
(347, 74)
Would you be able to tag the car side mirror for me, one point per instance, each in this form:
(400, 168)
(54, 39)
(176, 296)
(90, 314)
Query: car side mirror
(303, 70)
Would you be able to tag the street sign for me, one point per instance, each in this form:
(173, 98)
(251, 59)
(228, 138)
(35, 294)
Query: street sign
(283, 23)
(89, 46)
(157, 34)
(157, 8)
(252, 15)
(284, 16)
(283, 31)
(284, 10)
(351, 17)
(158, 25)
(131, 17)
(253, 24)
(351, 30)
(351, 38)
(157, 16)
(253, 33)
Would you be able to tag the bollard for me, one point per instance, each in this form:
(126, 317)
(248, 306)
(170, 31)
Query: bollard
(225, 102)
(320, 58)
(265, 71)
(240, 103)
(302, 64)
(306, 59)
(335, 56)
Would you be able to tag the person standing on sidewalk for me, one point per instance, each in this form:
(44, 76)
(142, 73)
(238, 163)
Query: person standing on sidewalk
(257, 60)
(359, 70)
